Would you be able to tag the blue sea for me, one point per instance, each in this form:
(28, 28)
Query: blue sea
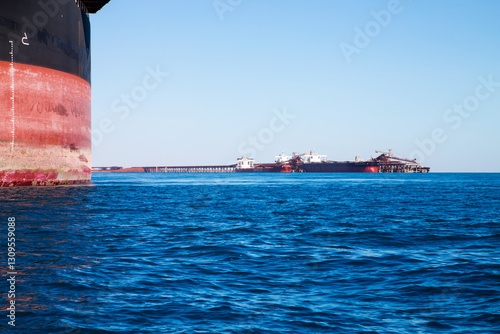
(255, 253)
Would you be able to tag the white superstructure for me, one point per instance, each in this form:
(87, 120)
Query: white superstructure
(245, 163)
(282, 158)
(312, 157)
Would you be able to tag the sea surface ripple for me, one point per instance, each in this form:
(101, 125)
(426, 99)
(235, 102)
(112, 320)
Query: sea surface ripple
(257, 253)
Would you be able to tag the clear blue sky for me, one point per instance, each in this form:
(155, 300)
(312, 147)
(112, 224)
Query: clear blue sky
(346, 77)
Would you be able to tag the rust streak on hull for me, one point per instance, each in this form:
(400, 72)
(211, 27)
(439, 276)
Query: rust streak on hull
(47, 139)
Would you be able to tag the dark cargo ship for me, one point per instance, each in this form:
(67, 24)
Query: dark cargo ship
(341, 167)
(45, 135)
(386, 162)
(315, 163)
(310, 163)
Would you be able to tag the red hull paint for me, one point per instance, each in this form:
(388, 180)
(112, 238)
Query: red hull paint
(286, 169)
(51, 107)
(46, 139)
(371, 169)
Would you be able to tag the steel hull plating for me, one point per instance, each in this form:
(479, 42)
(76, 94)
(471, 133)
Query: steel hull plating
(45, 95)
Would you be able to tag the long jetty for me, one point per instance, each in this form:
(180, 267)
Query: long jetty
(168, 169)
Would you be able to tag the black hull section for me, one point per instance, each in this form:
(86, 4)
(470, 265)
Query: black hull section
(341, 167)
(46, 34)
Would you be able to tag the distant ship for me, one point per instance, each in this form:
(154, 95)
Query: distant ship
(310, 163)
(386, 162)
(45, 135)
(247, 165)
(315, 163)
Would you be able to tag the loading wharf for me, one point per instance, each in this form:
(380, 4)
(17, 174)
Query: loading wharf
(386, 162)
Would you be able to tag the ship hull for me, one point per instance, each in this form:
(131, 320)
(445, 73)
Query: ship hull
(45, 95)
(266, 168)
(340, 167)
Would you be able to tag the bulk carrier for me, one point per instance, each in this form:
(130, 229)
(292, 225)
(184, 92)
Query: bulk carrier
(310, 163)
(45, 135)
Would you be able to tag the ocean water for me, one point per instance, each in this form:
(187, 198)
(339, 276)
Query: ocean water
(256, 253)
